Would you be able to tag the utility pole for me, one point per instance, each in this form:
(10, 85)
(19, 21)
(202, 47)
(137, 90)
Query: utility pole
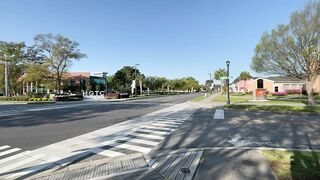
(228, 93)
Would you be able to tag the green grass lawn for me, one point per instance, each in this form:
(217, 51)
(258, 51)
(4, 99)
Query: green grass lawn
(233, 99)
(199, 98)
(275, 108)
(274, 102)
(300, 165)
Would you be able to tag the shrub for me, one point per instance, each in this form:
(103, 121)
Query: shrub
(15, 98)
(112, 96)
(279, 93)
(293, 91)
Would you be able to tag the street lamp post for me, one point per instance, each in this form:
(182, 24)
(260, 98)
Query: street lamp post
(228, 93)
(135, 78)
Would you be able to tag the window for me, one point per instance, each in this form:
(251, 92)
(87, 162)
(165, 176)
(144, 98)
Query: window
(276, 89)
(294, 86)
(286, 87)
(260, 83)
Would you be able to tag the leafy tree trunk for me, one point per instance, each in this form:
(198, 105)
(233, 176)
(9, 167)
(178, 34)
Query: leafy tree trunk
(309, 88)
(59, 85)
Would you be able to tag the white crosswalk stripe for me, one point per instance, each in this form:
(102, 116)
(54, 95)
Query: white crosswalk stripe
(159, 128)
(153, 131)
(164, 125)
(4, 147)
(10, 158)
(20, 163)
(141, 134)
(219, 114)
(9, 151)
(148, 136)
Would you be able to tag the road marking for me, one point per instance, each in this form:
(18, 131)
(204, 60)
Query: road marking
(219, 114)
(34, 168)
(147, 135)
(9, 151)
(167, 122)
(141, 141)
(127, 146)
(164, 125)
(134, 148)
(155, 127)
(105, 152)
(4, 147)
(153, 131)
(14, 157)
(20, 163)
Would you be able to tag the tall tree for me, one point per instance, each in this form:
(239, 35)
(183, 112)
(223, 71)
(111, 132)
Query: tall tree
(150, 82)
(191, 84)
(218, 74)
(294, 49)
(122, 79)
(245, 75)
(58, 52)
(15, 57)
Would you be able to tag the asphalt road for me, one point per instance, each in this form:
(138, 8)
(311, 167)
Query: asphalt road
(247, 129)
(31, 130)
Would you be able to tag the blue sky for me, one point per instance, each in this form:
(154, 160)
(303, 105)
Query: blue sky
(171, 38)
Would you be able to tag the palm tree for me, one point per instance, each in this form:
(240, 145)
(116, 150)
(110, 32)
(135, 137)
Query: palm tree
(218, 74)
(245, 75)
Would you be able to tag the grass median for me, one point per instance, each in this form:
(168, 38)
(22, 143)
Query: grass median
(302, 165)
(233, 99)
(275, 108)
(197, 99)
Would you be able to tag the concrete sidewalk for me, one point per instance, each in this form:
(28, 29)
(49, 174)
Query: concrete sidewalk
(179, 164)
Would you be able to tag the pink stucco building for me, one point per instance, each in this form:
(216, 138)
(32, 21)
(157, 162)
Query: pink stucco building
(241, 85)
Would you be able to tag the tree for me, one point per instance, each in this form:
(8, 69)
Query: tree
(150, 82)
(218, 74)
(15, 56)
(191, 84)
(122, 79)
(294, 49)
(58, 53)
(160, 83)
(245, 75)
(207, 85)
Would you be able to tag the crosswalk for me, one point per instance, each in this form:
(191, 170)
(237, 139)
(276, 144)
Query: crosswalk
(139, 135)
(219, 114)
